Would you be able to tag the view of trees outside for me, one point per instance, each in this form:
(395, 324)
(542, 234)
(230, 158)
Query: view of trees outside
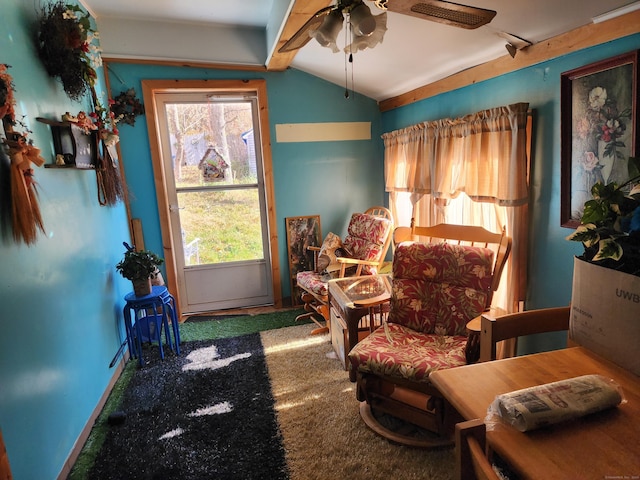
(214, 167)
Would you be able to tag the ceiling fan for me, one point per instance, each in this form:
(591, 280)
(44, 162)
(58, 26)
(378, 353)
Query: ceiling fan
(368, 30)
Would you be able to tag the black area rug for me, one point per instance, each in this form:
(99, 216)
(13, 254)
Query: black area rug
(207, 414)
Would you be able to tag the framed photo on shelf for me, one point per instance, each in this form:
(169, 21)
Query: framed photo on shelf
(599, 121)
(302, 232)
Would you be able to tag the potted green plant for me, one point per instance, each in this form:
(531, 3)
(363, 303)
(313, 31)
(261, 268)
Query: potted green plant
(140, 267)
(610, 225)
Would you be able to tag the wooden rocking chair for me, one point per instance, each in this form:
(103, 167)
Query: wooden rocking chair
(439, 284)
(366, 244)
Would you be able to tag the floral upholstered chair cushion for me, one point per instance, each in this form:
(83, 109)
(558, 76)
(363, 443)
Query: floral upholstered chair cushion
(313, 282)
(437, 289)
(366, 238)
(397, 351)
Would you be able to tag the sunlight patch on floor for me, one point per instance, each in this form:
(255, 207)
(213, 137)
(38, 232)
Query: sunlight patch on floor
(288, 405)
(297, 344)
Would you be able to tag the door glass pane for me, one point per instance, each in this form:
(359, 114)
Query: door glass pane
(212, 143)
(220, 226)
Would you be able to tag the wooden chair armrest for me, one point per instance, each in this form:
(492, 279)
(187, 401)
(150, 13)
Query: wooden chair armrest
(493, 313)
(356, 261)
(527, 322)
(344, 261)
(513, 325)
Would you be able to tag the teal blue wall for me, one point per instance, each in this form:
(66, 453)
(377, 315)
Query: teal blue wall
(550, 255)
(330, 179)
(60, 324)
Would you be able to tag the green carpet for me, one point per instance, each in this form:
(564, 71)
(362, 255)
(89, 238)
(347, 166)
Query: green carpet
(212, 327)
(195, 328)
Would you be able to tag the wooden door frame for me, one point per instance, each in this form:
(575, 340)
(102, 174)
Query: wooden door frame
(257, 87)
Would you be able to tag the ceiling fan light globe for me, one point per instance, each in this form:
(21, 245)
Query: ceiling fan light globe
(363, 22)
(327, 34)
(360, 42)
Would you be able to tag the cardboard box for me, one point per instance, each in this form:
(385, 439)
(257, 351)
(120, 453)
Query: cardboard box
(605, 313)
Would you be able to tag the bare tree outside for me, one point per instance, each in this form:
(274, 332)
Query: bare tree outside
(212, 148)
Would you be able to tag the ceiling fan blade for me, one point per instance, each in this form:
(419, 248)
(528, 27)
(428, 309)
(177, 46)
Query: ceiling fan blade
(449, 13)
(301, 37)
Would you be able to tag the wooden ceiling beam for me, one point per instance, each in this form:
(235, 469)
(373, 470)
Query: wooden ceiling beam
(301, 12)
(578, 39)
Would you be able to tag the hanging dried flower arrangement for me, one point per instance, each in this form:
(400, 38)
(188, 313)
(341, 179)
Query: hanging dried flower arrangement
(106, 121)
(67, 50)
(110, 186)
(65, 47)
(7, 100)
(25, 211)
(126, 107)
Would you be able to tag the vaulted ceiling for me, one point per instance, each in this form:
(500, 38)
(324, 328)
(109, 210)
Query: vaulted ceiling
(248, 34)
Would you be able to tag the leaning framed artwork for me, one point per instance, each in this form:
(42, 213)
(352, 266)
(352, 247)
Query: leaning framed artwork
(302, 232)
(599, 121)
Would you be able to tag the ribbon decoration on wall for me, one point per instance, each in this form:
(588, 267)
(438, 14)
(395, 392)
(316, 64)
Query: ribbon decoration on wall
(26, 219)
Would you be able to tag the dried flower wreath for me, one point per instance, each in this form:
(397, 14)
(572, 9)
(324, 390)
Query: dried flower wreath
(65, 47)
(126, 107)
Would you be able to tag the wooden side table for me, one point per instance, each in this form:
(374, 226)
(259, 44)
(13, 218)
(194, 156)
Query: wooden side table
(351, 300)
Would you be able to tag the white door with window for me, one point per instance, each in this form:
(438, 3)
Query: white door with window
(213, 171)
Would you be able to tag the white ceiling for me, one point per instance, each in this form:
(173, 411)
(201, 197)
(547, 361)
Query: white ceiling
(414, 52)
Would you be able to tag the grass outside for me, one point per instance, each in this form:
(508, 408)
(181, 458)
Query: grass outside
(226, 222)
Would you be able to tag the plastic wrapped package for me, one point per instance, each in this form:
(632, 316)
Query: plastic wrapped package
(552, 403)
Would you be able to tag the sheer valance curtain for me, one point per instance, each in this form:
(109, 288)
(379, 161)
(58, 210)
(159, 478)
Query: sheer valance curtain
(471, 170)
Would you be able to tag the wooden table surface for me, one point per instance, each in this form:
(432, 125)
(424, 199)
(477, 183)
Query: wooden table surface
(600, 446)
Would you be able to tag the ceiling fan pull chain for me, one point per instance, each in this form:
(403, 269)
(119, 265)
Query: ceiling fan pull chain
(348, 60)
(353, 87)
(348, 63)
(346, 78)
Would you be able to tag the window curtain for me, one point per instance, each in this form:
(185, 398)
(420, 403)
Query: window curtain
(471, 170)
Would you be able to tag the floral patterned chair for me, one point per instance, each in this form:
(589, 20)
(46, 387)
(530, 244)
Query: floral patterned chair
(437, 288)
(361, 253)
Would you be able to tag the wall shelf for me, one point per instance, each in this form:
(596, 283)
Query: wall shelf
(73, 143)
(69, 167)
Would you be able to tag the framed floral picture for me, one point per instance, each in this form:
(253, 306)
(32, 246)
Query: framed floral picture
(599, 119)
(302, 232)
